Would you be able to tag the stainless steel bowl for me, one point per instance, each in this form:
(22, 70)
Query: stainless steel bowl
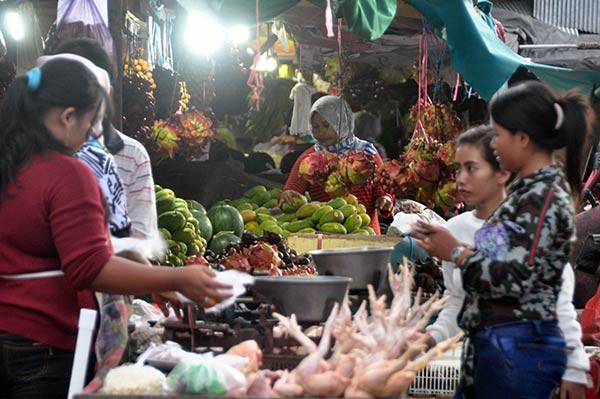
(365, 265)
(309, 298)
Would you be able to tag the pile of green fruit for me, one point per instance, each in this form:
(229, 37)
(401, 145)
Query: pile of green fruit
(342, 215)
(184, 225)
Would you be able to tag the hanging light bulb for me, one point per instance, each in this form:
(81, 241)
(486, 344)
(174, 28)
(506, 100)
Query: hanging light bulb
(14, 25)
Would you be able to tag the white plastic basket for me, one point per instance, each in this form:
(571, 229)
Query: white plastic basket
(440, 377)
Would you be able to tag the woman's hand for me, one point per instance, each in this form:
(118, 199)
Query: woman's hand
(384, 203)
(199, 284)
(288, 197)
(169, 297)
(435, 239)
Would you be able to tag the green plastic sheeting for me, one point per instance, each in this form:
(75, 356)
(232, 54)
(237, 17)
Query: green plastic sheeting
(366, 18)
(483, 59)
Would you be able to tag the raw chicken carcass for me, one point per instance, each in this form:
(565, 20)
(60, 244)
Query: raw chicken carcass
(249, 350)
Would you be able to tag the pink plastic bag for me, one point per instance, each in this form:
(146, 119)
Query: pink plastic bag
(590, 321)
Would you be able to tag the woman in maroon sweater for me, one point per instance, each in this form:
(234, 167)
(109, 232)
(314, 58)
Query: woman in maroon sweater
(332, 124)
(53, 234)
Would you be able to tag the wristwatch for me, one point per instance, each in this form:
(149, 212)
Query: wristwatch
(456, 251)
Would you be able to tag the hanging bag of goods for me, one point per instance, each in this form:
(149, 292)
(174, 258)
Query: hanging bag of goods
(82, 18)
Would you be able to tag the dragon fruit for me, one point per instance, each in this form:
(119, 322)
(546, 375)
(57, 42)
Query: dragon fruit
(264, 257)
(386, 174)
(237, 261)
(314, 168)
(358, 167)
(336, 185)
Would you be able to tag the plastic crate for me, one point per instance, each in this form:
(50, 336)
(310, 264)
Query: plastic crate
(440, 377)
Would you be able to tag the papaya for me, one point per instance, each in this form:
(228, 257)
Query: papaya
(348, 210)
(299, 225)
(366, 219)
(263, 217)
(164, 204)
(244, 207)
(351, 199)
(239, 201)
(307, 210)
(272, 203)
(273, 229)
(186, 235)
(195, 205)
(171, 220)
(332, 216)
(263, 210)
(268, 224)
(261, 198)
(299, 201)
(353, 222)
(360, 208)
(255, 190)
(369, 229)
(320, 212)
(274, 193)
(337, 203)
(333, 227)
(166, 234)
(308, 230)
(286, 217)
(287, 208)
(248, 216)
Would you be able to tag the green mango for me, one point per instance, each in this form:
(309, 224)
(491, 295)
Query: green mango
(307, 210)
(332, 216)
(192, 249)
(262, 217)
(353, 222)
(361, 232)
(244, 207)
(261, 198)
(369, 229)
(165, 191)
(171, 220)
(181, 203)
(255, 190)
(366, 219)
(157, 188)
(270, 204)
(316, 217)
(308, 230)
(287, 208)
(348, 210)
(286, 217)
(274, 193)
(164, 204)
(166, 234)
(174, 247)
(186, 235)
(337, 203)
(360, 208)
(183, 248)
(273, 229)
(184, 211)
(299, 225)
(263, 210)
(333, 227)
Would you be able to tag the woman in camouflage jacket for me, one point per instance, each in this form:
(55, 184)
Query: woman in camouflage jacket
(513, 275)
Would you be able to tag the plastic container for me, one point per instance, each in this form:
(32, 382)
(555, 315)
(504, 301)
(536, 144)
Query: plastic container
(440, 377)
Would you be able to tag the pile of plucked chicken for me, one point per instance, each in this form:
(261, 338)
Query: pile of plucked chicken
(374, 355)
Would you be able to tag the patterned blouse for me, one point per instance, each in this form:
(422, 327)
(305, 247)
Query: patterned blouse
(520, 253)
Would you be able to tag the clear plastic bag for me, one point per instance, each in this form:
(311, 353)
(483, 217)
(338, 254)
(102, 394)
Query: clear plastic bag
(82, 18)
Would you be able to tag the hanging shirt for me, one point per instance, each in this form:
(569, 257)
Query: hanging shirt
(301, 94)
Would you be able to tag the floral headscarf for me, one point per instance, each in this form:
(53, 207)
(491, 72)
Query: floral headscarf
(336, 111)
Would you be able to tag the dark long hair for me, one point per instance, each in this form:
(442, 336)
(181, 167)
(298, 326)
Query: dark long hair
(530, 108)
(481, 137)
(64, 83)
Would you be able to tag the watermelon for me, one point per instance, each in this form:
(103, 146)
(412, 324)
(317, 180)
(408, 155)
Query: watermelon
(221, 240)
(226, 218)
(206, 229)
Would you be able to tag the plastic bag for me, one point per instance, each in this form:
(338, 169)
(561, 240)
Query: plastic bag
(83, 18)
(204, 375)
(238, 280)
(590, 321)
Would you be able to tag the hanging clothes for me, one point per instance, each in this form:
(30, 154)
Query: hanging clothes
(300, 94)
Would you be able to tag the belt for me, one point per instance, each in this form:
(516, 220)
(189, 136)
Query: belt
(35, 275)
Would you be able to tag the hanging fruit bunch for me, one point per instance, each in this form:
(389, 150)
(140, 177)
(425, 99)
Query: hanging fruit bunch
(338, 175)
(138, 107)
(439, 120)
(139, 67)
(170, 93)
(183, 136)
(184, 96)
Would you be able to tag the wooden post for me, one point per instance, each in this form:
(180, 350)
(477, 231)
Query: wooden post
(116, 19)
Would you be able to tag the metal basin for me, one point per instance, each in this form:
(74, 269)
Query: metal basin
(365, 266)
(309, 298)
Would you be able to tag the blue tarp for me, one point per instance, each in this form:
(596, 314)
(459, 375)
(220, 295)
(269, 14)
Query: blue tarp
(482, 59)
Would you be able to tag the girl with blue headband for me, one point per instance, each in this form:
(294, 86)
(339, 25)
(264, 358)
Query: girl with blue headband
(54, 237)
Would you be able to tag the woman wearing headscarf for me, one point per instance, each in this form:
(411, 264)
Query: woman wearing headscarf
(332, 124)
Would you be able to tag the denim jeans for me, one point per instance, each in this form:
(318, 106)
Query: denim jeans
(29, 369)
(522, 360)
